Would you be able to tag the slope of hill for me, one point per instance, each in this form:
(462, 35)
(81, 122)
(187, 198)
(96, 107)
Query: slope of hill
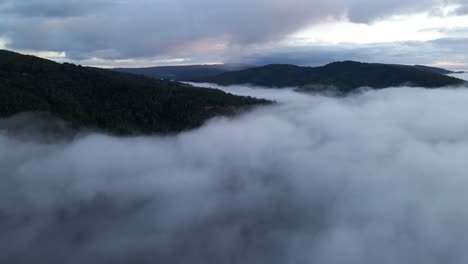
(183, 73)
(102, 99)
(344, 76)
(435, 69)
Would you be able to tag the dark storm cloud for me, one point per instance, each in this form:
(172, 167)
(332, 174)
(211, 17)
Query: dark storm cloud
(377, 177)
(125, 29)
(52, 8)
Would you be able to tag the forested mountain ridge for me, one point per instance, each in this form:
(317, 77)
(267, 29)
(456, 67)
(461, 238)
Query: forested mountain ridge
(435, 69)
(115, 102)
(191, 72)
(345, 76)
(184, 73)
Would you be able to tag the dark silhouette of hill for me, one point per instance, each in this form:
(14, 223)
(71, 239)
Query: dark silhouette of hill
(344, 76)
(116, 102)
(183, 73)
(435, 69)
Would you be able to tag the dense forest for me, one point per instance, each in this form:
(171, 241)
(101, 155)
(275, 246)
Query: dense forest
(116, 102)
(344, 76)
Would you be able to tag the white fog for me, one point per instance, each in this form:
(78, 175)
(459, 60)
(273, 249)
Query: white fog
(375, 177)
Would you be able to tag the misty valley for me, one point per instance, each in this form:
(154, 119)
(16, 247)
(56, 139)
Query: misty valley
(310, 179)
(233, 131)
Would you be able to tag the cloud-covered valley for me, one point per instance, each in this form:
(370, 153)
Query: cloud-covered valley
(376, 177)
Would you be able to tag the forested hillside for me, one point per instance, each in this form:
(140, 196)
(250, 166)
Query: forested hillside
(119, 103)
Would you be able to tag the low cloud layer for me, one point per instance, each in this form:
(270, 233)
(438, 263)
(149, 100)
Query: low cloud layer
(377, 177)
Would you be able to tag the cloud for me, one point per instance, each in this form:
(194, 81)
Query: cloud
(365, 11)
(462, 10)
(377, 177)
(142, 28)
(52, 8)
(449, 50)
(126, 29)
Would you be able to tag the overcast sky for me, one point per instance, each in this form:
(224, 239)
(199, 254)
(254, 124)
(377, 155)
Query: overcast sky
(307, 32)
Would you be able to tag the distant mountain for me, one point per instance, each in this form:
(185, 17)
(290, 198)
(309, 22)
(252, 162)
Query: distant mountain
(115, 102)
(435, 69)
(344, 76)
(183, 73)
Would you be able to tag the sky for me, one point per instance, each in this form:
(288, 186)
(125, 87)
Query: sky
(135, 33)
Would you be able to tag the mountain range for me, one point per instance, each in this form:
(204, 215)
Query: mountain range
(344, 76)
(125, 103)
(185, 72)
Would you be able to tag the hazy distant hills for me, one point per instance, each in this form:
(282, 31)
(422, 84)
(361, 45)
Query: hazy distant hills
(344, 76)
(183, 73)
(112, 101)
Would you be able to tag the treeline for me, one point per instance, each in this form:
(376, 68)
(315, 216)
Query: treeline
(102, 99)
